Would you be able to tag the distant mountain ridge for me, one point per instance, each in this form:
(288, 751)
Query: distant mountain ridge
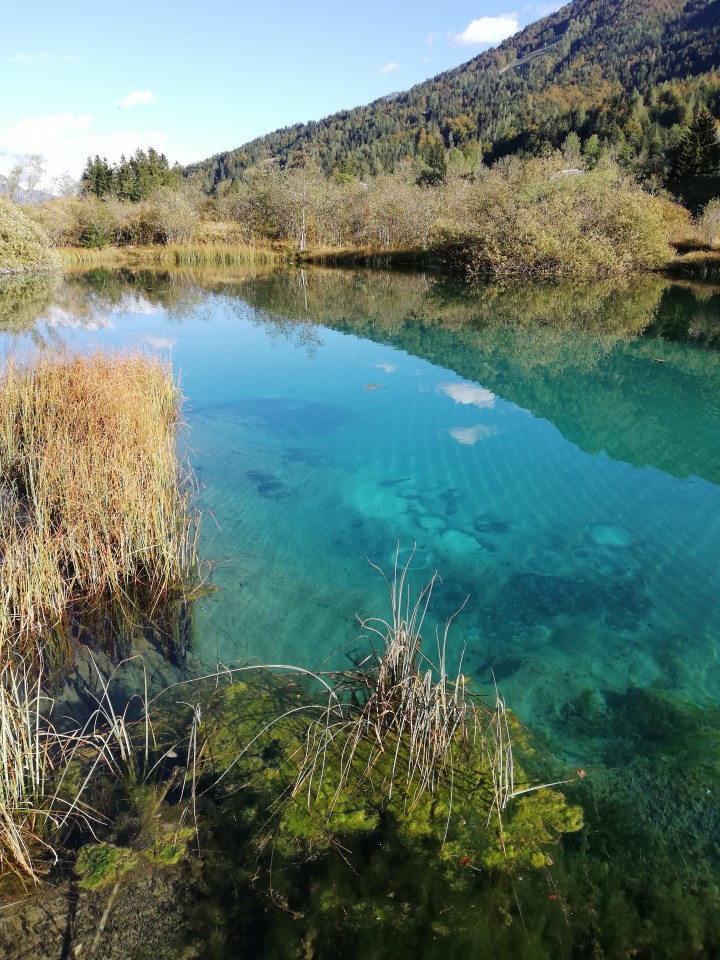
(22, 195)
(582, 69)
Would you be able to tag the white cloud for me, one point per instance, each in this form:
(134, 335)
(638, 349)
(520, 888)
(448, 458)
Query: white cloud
(468, 393)
(389, 67)
(138, 304)
(59, 317)
(470, 435)
(387, 367)
(159, 343)
(34, 134)
(66, 140)
(487, 30)
(28, 57)
(137, 97)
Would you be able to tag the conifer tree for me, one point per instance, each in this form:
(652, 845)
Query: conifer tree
(698, 152)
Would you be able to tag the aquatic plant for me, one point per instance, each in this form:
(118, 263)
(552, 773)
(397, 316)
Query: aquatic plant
(397, 745)
(412, 709)
(97, 535)
(38, 797)
(109, 776)
(367, 803)
(24, 768)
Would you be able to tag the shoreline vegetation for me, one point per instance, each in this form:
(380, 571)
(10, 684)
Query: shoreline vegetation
(521, 219)
(98, 533)
(98, 543)
(24, 245)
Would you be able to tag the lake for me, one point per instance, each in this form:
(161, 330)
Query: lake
(553, 453)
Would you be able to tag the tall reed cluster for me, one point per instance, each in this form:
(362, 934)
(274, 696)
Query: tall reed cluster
(24, 741)
(98, 540)
(198, 254)
(408, 722)
(96, 533)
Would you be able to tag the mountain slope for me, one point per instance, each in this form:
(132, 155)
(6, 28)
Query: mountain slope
(585, 68)
(21, 194)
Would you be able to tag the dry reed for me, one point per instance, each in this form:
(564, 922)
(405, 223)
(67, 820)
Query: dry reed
(24, 767)
(413, 712)
(214, 254)
(97, 537)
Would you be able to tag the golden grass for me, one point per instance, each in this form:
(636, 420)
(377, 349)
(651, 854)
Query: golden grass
(171, 255)
(96, 532)
(701, 264)
(87, 257)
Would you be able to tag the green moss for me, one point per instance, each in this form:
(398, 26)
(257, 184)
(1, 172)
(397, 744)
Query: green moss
(534, 822)
(169, 847)
(332, 810)
(100, 864)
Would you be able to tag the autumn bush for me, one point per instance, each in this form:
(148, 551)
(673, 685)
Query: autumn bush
(23, 244)
(530, 220)
(166, 216)
(709, 223)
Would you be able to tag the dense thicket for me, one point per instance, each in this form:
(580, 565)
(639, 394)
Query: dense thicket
(167, 215)
(23, 244)
(598, 76)
(521, 218)
(531, 222)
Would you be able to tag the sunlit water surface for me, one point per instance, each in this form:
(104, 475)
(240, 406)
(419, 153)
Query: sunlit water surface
(565, 483)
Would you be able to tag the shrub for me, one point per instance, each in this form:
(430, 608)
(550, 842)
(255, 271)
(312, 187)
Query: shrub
(23, 244)
(710, 223)
(532, 221)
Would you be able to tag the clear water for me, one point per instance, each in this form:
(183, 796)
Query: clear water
(555, 455)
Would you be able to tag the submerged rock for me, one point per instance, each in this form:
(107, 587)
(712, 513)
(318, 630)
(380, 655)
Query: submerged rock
(457, 541)
(430, 523)
(527, 599)
(268, 485)
(489, 523)
(605, 535)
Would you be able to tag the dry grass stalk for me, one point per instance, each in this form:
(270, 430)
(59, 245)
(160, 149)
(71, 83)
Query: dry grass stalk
(96, 531)
(413, 711)
(45, 774)
(24, 763)
(32, 751)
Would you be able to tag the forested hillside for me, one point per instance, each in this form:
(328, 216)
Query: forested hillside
(598, 76)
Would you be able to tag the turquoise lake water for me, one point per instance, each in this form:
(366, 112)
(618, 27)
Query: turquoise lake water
(564, 483)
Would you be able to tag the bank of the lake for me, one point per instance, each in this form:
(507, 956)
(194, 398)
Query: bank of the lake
(525, 219)
(701, 262)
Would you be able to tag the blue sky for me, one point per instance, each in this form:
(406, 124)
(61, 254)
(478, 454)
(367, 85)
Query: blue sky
(193, 79)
